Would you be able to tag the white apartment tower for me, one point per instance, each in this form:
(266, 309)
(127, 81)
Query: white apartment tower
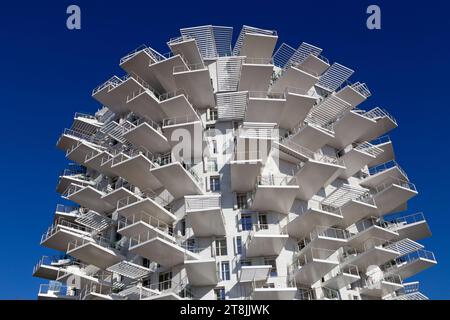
(233, 172)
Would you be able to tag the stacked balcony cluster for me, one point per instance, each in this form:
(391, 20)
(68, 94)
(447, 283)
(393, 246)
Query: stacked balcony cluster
(233, 172)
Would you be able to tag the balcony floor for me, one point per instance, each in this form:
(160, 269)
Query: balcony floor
(274, 198)
(314, 271)
(137, 171)
(92, 253)
(148, 206)
(263, 245)
(148, 137)
(303, 224)
(254, 273)
(198, 86)
(340, 281)
(244, 174)
(295, 109)
(207, 222)
(202, 272)
(294, 78)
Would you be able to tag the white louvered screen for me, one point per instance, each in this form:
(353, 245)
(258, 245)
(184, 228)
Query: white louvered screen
(231, 106)
(344, 194)
(405, 246)
(228, 73)
(334, 77)
(212, 41)
(303, 52)
(283, 54)
(328, 111)
(248, 29)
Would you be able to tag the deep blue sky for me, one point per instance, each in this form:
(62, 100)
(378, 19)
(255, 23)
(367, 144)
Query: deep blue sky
(48, 73)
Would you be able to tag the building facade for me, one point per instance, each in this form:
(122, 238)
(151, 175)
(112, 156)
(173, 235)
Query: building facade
(233, 172)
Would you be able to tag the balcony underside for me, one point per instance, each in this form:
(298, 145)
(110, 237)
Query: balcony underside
(303, 224)
(97, 255)
(66, 181)
(98, 296)
(357, 240)
(91, 198)
(340, 281)
(178, 181)
(372, 257)
(274, 293)
(351, 127)
(392, 198)
(148, 137)
(197, 85)
(258, 45)
(163, 251)
(190, 135)
(386, 156)
(315, 64)
(264, 110)
(164, 296)
(139, 64)
(274, 198)
(380, 289)
(136, 171)
(255, 77)
(66, 141)
(328, 243)
(351, 96)
(254, 273)
(163, 72)
(384, 176)
(244, 174)
(54, 296)
(84, 279)
(146, 104)
(144, 228)
(201, 272)
(354, 161)
(95, 162)
(148, 206)
(188, 49)
(383, 125)
(48, 272)
(354, 211)
(207, 222)
(78, 154)
(116, 98)
(412, 268)
(61, 238)
(313, 271)
(178, 107)
(414, 231)
(314, 175)
(263, 245)
(295, 110)
(312, 137)
(294, 78)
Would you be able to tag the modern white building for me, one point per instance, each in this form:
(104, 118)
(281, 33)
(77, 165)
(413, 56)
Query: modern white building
(233, 172)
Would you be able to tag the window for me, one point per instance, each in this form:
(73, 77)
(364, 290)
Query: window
(271, 262)
(146, 263)
(165, 281)
(241, 200)
(191, 244)
(225, 268)
(239, 245)
(214, 184)
(220, 293)
(246, 222)
(245, 262)
(221, 247)
(262, 222)
(212, 165)
(214, 146)
(213, 114)
(183, 227)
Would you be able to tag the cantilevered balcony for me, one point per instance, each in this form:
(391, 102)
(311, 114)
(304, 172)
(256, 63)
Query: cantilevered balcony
(89, 197)
(295, 75)
(324, 238)
(117, 191)
(75, 175)
(384, 143)
(61, 232)
(265, 107)
(342, 276)
(392, 194)
(378, 288)
(375, 175)
(384, 122)
(354, 93)
(189, 128)
(255, 74)
(147, 202)
(146, 133)
(274, 193)
(134, 166)
(265, 240)
(299, 103)
(47, 267)
(174, 289)
(94, 291)
(255, 42)
(312, 136)
(357, 156)
(78, 151)
(179, 178)
(163, 71)
(145, 102)
(131, 270)
(196, 81)
(411, 226)
(312, 264)
(360, 207)
(372, 252)
(203, 271)
(57, 291)
(411, 263)
(205, 215)
(277, 288)
(245, 169)
(138, 62)
(86, 123)
(162, 247)
(187, 47)
(69, 213)
(97, 251)
(253, 272)
(371, 228)
(410, 291)
(114, 92)
(301, 220)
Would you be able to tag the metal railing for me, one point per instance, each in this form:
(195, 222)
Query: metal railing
(330, 294)
(368, 148)
(309, 255)
(342, 270)
(62, 224)
(144, 217)
(408, 219)
(266, 95)
(203, 202)
(394, 181)
(381, 140)
(96, 288)
(385, 166)
(67, 209)
(189, 67)
(151, 52)
(371, 222)
(374, 242)
(377, 113)
(51, 261)
(142, 195)
(328, 232)
(101, 241)
(180, 120)
(273, 180)
(57, 289)
(371, 282)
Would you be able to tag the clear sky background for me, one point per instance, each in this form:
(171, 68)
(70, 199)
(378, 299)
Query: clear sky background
(48, 72)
